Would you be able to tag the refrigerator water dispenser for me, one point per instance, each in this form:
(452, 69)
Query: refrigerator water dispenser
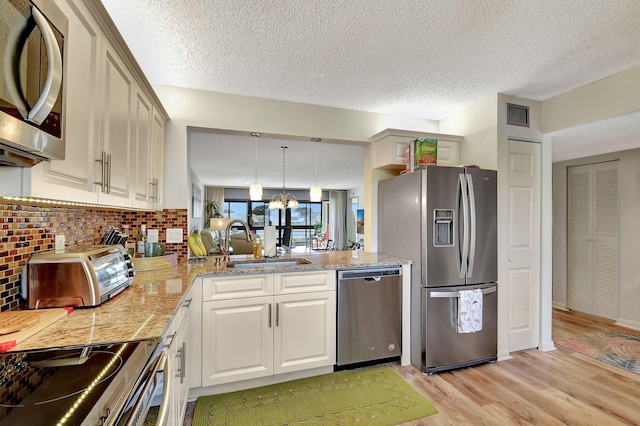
(443, 228)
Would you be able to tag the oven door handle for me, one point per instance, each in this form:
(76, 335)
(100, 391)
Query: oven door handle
(165, 364)
(162, 363)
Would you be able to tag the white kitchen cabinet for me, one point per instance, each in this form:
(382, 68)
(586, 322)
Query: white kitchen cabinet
(114, 123)
(148, 149)
(157, 159)
(142, 149)
(177, 341)
(389, 148)
(114, 146)
(261, 325)
(305, 331)
(237, 339)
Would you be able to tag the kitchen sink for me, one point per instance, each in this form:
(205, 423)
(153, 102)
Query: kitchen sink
(267, 263)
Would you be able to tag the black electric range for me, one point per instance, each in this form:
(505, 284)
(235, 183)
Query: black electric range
(101, 384)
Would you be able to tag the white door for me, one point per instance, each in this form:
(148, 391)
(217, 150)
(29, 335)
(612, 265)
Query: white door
(592, 246)
(305, 331)
(523, 283)
(237, 340)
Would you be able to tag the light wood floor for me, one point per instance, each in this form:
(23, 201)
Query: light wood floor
(560, 387)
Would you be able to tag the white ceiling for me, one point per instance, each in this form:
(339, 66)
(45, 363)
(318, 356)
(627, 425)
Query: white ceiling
(426, 59)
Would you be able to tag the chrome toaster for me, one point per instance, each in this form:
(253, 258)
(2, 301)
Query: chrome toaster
(78, 276)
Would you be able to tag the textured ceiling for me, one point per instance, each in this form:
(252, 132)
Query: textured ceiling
(420, 58)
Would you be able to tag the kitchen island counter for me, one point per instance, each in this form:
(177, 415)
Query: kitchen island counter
(144, 310)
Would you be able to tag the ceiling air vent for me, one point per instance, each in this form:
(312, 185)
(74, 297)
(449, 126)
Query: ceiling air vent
(518, 115)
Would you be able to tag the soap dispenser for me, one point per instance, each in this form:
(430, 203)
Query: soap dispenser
(257, 247)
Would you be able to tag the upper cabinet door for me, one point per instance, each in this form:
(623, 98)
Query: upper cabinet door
(157, 161)
(143, 151)
(116, 131)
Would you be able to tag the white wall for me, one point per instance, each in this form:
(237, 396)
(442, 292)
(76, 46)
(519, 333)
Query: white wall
(629, 190)
(478, 125)
(610, 97)
(194, 108)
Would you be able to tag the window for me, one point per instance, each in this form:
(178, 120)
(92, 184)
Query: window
(257, 215)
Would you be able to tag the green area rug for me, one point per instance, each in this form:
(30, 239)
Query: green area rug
(612, 347)
(370, 396)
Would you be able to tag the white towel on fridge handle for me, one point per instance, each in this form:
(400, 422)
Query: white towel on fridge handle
(469, 318)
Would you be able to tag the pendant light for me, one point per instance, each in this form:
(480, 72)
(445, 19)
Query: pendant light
(283, 200)
(255, 189)
(315, 192)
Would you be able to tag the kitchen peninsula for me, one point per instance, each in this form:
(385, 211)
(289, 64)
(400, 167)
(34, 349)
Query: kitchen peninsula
(147, 306)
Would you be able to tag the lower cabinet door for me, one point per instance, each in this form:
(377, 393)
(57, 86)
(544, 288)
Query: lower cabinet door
(304, 331)
(181, 376)
(237, 340)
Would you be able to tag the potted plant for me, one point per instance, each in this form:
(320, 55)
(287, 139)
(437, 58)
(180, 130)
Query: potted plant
(213, 210)
(318, 227)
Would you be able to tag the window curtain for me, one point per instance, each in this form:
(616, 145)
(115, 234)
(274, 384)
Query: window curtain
(212, 193)
(338, 218)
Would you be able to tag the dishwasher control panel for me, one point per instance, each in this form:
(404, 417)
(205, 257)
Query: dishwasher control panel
(369, 273)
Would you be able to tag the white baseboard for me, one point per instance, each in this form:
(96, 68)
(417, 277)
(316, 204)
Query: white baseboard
(547, 346)
(628, 323)
(558, 305)
(503, 356)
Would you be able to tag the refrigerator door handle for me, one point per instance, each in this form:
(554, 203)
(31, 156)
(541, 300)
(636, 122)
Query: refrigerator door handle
(472, 230)
(464, 249)
(455, 294)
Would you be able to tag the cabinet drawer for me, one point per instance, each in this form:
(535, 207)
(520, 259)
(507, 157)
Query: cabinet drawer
(304, 282)
(234, 287)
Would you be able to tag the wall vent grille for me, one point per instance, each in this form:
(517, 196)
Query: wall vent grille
(518, 115)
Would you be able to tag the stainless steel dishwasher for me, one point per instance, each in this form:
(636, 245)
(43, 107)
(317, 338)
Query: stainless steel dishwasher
(369, 315)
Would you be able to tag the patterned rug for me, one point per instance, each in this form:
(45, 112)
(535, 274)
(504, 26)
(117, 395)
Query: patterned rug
(370, 396)
(613, 347)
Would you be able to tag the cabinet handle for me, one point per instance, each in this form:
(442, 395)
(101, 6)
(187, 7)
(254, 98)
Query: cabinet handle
(182, 354)
(187, 302)
(170, 339)
(269, 315)
(183, 367)
(154, 190)
(277, 314)
(108, 173)
(104, 180)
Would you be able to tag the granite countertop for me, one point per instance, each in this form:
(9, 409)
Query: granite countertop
(144, 309)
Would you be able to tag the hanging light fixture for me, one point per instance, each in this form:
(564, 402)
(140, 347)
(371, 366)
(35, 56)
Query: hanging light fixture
(283, 200)
(255, 189)
(315, 192)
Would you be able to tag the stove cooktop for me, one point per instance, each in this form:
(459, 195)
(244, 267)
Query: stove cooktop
(69, 385)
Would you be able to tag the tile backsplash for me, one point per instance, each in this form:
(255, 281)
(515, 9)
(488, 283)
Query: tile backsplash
(25, 230)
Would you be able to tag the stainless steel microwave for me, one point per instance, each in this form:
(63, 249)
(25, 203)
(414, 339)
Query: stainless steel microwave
(32, 116)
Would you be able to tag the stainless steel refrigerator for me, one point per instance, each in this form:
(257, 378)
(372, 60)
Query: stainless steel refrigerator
(444, 220)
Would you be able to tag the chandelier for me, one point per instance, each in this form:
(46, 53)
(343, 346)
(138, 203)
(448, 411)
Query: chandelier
(283, 200)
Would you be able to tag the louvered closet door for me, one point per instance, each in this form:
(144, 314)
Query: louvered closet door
(593, 243)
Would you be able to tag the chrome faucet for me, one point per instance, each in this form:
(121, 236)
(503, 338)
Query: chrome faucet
(225, 248)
